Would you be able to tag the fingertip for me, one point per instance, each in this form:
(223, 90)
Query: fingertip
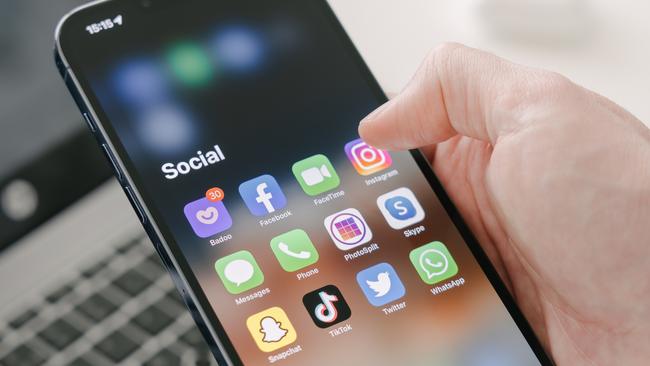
(373, 129)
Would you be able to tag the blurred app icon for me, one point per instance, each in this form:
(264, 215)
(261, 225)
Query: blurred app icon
(262, 195)
(271, 329)
(326, 306)
(365, 158)
(294, 250)
(433, 262)
(380, 284)
(190, 64)
(239, 272)
(348, 229)
(207, 218)
(400, 208)
(315, 174)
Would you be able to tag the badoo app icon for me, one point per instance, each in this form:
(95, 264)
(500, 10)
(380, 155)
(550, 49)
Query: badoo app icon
(207, 218)
(400, 208)
(262, 195)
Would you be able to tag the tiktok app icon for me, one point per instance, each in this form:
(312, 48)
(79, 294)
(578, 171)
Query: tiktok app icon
(326, 306)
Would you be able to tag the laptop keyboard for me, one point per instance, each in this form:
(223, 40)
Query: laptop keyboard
(123, 309)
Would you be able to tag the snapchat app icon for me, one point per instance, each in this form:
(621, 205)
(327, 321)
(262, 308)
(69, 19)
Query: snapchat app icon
(271, 329)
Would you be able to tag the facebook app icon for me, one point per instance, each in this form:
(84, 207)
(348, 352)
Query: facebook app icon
(262, 195)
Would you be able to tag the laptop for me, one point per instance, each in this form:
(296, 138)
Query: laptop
(80, 282)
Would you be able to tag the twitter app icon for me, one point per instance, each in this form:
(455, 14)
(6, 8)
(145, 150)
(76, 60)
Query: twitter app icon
(380, 284)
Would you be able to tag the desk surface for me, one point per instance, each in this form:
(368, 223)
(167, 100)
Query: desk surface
(601, 44)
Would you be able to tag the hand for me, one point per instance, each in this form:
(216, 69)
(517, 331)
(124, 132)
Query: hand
(554, 181)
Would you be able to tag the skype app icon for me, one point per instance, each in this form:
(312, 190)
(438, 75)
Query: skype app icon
(400, 208)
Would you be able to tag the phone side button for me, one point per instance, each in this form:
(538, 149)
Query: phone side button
(89, 121)
(116, 168)
(136, 205)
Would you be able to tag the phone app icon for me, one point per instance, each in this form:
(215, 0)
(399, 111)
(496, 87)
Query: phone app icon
(326, 306)
(262, 195)
(239, 272)
(207, 218)
(400, 208)
(433, 262)
(365, 158)
(348, 229)
(380, 284)
(294, 250)
(271, 329)
(316, 174)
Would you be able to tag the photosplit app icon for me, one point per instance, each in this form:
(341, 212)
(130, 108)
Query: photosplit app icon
(348, 229)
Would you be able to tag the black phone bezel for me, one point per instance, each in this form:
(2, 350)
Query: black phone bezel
(161, 237)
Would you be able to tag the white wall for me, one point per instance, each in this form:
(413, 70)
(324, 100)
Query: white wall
(601, 44)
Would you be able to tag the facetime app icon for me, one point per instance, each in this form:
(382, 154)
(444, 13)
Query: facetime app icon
(315, 174)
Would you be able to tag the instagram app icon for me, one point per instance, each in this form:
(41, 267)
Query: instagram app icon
(365, 158)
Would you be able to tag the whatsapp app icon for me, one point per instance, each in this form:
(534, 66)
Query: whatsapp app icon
(433, 262)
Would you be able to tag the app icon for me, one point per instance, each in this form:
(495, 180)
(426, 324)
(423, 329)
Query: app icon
(326, 306)
(365, 158)
(262, 195)
(206, 217)
(348, 229)
(380, 284)
(294, 250)
(239, 272)
(400, 208)
(190, 64)
(315, 174)
(433, 262)
(271, 329)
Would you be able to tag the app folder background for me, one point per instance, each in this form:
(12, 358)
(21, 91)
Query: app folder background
(263, 129)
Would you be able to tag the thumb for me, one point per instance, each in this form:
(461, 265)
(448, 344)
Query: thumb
(459, 90)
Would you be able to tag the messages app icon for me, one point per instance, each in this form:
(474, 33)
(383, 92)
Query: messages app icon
(433, 262)
(294, 250)
(315, 174)
(239, 272)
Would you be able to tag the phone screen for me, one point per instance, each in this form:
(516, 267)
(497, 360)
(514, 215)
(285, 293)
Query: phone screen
(236, 122)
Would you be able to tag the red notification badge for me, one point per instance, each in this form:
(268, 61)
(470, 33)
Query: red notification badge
(214, 194)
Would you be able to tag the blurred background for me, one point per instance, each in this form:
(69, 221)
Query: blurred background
(79, 282)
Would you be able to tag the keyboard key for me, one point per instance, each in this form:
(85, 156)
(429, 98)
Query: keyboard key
(81, 361)
(175, 297)
(164, 358)
(58, 294)
(132, 282)
(60, 333)
(117, 346)
(96, 307)
(23, 355)
(23, 318)
(153, 320)
(194, 338)
(126, 247)
(94, 269)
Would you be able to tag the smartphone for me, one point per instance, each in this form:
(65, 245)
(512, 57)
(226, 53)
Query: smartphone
(232, 127)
